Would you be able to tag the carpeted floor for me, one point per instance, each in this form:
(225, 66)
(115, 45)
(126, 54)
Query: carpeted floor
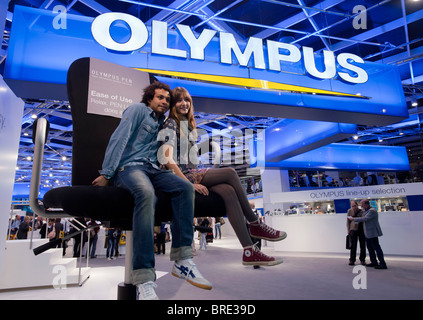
(301, 276)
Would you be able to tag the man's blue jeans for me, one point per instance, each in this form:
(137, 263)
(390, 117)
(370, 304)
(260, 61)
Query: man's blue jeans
(141, 181)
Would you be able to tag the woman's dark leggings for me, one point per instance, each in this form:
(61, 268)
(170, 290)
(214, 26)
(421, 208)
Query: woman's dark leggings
(225, 182)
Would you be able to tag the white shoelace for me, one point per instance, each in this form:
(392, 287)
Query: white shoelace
(258, 251)
(147, 289)
(267, 228)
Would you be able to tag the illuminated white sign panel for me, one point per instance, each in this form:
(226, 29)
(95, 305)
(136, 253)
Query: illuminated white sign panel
(100, 30)
(374, 192)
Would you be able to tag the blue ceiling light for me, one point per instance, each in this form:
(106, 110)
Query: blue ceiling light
(289, 137)
(337, 156)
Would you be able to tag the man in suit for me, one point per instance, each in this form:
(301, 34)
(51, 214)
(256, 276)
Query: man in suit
(372, 231)
(356, 232)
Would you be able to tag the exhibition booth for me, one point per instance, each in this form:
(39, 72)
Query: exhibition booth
(316, 219)
(225, 76)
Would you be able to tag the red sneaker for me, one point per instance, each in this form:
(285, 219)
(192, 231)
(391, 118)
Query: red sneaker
(262, 231)
(254, 257)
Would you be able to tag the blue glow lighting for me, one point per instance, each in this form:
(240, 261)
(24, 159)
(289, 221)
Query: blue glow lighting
(337, 156)
(288, 137)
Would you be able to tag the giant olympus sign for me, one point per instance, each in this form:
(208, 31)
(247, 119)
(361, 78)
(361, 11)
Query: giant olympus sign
(282, 80)
(101, 25)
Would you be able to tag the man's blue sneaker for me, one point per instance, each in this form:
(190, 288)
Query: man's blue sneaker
(186, 269)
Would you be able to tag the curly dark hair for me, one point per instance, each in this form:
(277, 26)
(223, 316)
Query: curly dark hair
(150, 91)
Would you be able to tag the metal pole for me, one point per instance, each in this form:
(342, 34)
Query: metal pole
(32, 231)
(10, 222)
(128, 257)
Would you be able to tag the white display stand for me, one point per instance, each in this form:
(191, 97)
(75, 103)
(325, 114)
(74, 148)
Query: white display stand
(23, 269)
(11, 111)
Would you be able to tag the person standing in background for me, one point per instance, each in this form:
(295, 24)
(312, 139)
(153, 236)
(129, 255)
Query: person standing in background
(356, 232)
(372, 232)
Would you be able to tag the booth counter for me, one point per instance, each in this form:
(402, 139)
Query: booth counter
(325, 233)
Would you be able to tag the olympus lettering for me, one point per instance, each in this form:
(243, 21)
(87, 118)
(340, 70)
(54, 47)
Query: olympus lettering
(277, 52)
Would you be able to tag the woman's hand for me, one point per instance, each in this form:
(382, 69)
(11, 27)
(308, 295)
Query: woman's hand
(201, 189)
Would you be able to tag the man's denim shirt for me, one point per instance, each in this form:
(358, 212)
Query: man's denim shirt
(134, 140)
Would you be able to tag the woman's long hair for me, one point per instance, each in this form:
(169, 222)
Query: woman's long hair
(177, 94)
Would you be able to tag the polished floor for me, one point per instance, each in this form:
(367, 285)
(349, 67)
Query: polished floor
(300, 277)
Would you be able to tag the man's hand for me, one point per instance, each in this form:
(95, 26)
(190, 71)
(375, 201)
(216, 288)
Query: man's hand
(100, 181)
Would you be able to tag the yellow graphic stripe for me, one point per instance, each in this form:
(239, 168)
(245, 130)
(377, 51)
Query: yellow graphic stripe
(247, 82)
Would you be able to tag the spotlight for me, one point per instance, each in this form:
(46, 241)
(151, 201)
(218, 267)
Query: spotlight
(414, 102)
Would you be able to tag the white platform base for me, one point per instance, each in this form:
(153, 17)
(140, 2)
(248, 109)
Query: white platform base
(22, 269)
(326, 233)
